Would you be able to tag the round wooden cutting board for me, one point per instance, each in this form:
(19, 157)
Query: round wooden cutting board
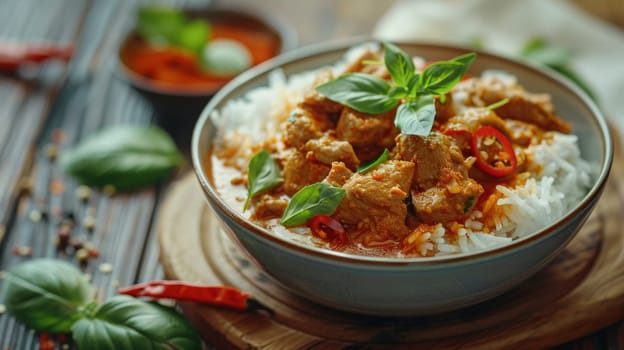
(581, 291)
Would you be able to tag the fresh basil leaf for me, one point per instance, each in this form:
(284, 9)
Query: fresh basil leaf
(413, 86)
(193, 35)
(125, 157)
(440, 77)
(397, 92)
(316, 199)
(370, 166)
(126, 323)
(399, 64)
(263, 174)
(46, 295)
(465, 59)
(362, 92)
(160, 24)
(416, 117)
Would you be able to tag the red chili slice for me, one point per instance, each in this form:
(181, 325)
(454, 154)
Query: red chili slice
(329, 230)
(494, 152)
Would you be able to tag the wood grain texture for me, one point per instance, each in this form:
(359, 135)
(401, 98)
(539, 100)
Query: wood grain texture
(579, 293)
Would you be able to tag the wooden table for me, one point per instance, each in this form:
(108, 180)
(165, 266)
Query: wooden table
(61, 105)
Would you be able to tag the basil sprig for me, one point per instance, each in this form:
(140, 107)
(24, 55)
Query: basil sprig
(263, 174)
(369, 94)
(364, 168)
(125, 157)
(53, 296)
(46, 295)
(316, 199)
(124, 322)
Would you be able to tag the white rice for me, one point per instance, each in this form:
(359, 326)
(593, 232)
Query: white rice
(560, 176)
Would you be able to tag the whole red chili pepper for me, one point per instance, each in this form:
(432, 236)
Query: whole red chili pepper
(12, 55)
(494, 152)
(205, 294)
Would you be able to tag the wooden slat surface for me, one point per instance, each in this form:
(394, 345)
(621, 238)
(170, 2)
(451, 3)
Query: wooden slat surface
(85, 96)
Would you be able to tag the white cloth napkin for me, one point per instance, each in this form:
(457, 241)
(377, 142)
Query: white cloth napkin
(504, 26)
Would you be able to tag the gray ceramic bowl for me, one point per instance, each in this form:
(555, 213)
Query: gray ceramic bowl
(411, 286)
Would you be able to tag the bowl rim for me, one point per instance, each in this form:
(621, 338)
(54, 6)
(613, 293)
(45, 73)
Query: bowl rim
(284, 30)
(342, 45)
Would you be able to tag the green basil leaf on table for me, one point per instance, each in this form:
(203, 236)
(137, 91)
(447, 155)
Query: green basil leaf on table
(399, 64)
(316, 199)
(362, 92)
(126, 323)
(46, 294)
(125, 157)
(416, 117)
(362, 169)
(160, 24)
(263, 174)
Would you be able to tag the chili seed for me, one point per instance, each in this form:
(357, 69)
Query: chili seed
(87, 277)
(82, 256)
(89, 223)
(483, 155)
(3, 309)
(35, 215)
(106, 268)
(115, 283)
(488, 141)
(51, 151)
(83, 193)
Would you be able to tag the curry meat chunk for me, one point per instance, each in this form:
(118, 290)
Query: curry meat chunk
(441, 188)
(524, 106)
(328, 149)
(269, 207)
(376, 199)
(369, 134)
(338, 174)
(304, 127)
(299, 172)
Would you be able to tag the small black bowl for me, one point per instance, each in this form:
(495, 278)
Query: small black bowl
(179, 107)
